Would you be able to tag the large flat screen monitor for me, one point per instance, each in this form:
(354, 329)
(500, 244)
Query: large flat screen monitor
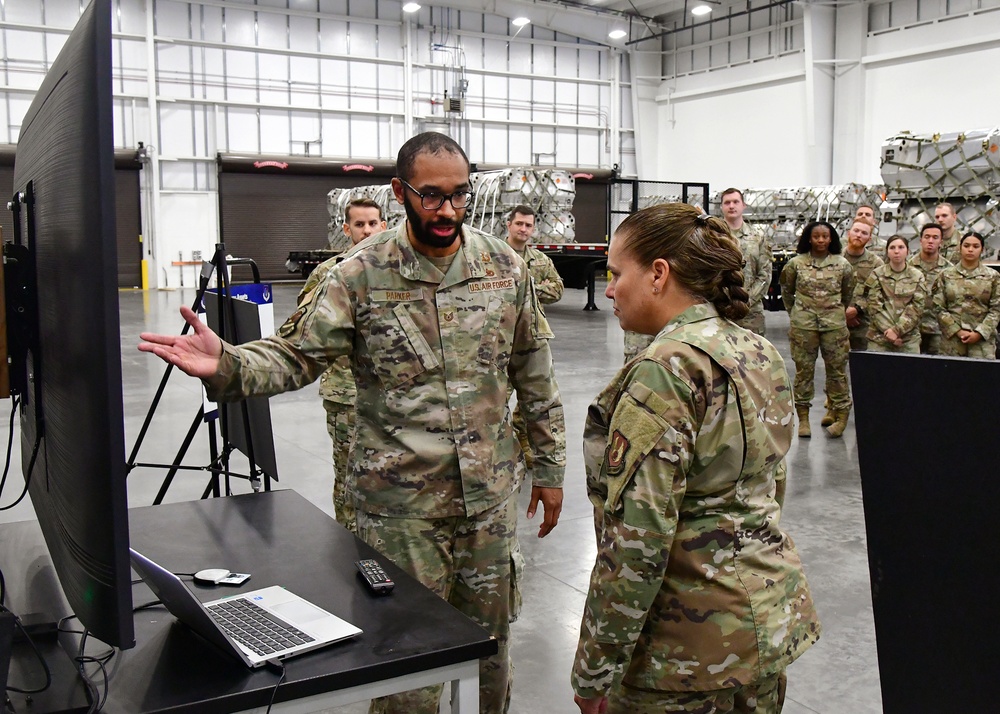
(62, 313)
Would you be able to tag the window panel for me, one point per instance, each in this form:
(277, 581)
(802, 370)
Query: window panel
(333, 37)
(176, 138)
(390, 42)
(362, 40)
(364, 87)
(275, 132)
(544, 60)
(590, 67)
(239, 28)
(519, 145)
(26, 11)
(519, 57)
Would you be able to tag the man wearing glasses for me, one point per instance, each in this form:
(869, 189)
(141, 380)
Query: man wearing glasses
(438, 321)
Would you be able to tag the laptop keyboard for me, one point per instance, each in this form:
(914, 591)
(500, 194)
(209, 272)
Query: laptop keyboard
(255, 628)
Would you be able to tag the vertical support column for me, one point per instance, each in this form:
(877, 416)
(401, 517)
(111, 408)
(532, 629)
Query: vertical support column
(850, 113)
(151, 247)
(407, 77)
(644, 67)
(615, 113)
(820, 69)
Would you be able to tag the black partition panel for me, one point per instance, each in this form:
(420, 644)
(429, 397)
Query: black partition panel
(927, 432)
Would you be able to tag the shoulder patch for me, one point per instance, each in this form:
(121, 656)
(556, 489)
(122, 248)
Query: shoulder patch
(617, 449)
(292, 323)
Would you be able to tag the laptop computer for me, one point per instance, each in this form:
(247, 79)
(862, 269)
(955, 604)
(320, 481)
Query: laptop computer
(256, 627)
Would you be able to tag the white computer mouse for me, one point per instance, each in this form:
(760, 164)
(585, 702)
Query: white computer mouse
(211, 576)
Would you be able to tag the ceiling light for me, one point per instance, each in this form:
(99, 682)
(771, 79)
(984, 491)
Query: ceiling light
(701, 9)
(411, 7)
(520, 21)
(617, 34)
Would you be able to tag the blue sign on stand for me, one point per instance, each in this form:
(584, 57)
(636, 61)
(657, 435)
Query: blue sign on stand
(257, 293)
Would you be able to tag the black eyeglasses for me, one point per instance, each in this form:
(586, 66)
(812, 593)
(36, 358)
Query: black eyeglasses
(433, 200)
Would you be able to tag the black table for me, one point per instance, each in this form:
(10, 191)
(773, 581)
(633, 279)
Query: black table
(411, 638)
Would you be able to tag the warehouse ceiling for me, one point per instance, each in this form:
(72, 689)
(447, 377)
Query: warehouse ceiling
(589, 19)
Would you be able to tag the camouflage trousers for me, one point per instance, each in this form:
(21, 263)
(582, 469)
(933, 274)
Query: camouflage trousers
(930, 344)
(340, 427)
(806, 345)
(910, 346)
(954, 347)
(468, 562)
(754, 321)
(859, 336)
(764, 697)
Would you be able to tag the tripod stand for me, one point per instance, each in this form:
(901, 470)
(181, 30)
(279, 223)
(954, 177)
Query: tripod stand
(218, 465)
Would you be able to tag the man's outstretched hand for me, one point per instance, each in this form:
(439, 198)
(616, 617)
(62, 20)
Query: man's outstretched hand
(197, 355)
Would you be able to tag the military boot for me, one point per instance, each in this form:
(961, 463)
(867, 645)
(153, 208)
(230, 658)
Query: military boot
(804, 431)
(830, 415)
(836, 430)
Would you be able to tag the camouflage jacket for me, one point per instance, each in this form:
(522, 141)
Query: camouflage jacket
(695, 586)
(336, 384)
(931, 271)
(758, 264)
(816, 291)
(968, 300)
(863, 265)
(548, 284)
(635, 342)
(951, 246)
(432, 357)
(896, 301)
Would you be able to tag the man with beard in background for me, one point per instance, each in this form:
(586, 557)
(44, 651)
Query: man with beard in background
(438, 319)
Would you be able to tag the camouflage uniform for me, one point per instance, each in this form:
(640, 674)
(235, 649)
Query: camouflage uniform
(816, 291)
(548, 289)
(896, 301)
(951, 245)
(432, 356)
(548, 283)
(757, 272)
(930, 330)
(863, 266)
(968, 300)
(635, 342)
(336, 388)
(695, 587)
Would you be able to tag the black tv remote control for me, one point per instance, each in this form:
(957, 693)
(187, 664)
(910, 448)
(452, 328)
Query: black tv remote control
(378, 582)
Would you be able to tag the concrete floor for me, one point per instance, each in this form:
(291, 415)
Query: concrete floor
(823, 508)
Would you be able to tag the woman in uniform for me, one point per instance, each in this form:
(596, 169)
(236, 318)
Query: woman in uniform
(896, 300)
(967, 298)
(697, 598)
(817, 286)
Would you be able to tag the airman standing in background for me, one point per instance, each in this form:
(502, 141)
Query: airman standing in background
(548, 289)
(967, 298)
(863, 261)
(951, 235)
(757, 258)
(520, 231)
(362, 218)
(929, 261)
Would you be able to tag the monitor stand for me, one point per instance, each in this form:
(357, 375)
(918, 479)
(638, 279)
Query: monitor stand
(67, 693)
